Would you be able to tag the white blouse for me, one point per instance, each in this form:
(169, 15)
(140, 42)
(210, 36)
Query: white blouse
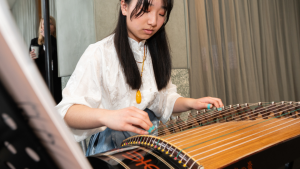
(99, 82)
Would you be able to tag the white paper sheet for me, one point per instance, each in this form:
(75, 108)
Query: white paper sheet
(23, 81)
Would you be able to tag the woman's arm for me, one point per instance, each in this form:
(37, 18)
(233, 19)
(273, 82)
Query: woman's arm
(82, 98)
(128, 119)
(184, 104)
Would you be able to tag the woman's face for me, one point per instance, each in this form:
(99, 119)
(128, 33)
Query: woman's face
(148, 24)
(52, 28)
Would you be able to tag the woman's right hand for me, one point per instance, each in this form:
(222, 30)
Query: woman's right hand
(32, 54)
(128, 119)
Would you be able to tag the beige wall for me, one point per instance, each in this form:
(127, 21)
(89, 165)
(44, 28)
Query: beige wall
(177, 33)
(106, 15)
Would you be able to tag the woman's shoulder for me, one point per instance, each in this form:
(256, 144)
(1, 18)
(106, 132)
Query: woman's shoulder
(105, 46)
(53, 39)
(106, 42)
(99, 49)
(34, 41)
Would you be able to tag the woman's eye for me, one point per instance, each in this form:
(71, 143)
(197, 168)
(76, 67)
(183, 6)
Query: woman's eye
(163, 13)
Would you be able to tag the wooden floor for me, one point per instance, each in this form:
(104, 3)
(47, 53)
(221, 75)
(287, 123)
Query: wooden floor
(221, 144)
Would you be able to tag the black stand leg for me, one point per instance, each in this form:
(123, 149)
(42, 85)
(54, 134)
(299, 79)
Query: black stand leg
(289, 165)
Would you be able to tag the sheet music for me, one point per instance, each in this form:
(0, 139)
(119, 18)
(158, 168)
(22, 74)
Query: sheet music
(24, 82)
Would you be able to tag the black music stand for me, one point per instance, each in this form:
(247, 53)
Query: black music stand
(32, 133)
(20, 148)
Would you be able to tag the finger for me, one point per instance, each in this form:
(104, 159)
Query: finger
(139, 122)
(135, 130)
(203, 106)
(213, 102)
(208, 106)
(141, 115)
(219, 101)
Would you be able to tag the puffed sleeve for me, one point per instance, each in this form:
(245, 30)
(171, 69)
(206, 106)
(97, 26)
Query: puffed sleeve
(84, 88)
(164, 102)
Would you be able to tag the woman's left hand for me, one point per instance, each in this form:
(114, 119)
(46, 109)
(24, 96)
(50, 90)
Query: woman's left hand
(184, 104)
(202, 103)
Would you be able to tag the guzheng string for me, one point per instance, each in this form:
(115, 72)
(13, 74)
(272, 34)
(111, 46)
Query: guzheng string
(236, 118)
(229, 133)
(284, 127)
(241, 133)
(281, 124)
(213, 138)
(194, 132)
(265, 118)
(229, 138)
(284, 114)
(172, 125)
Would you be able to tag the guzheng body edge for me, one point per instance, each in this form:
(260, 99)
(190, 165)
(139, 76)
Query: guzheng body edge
(210, 139)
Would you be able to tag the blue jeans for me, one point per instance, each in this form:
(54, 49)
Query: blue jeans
(110, 139)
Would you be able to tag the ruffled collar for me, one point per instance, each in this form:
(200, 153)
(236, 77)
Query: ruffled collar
(135, 44)
(137, 49)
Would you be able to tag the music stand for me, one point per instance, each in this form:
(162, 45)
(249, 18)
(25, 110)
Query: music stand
(33, 135)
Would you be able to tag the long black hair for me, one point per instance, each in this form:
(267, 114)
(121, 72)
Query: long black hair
(158, 46)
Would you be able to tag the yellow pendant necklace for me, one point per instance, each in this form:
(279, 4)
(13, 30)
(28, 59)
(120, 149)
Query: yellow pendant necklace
(138, 93)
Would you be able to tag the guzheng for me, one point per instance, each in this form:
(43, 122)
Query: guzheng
(239, 136)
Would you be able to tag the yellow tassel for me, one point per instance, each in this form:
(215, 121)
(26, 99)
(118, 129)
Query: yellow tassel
(138, 97)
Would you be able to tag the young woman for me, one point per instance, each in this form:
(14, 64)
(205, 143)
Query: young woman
(40, 59)
(121, 85)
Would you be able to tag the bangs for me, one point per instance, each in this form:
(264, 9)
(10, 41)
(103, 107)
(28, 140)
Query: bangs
(143, 5)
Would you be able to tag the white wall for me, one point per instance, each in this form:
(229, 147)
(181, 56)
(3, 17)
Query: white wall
(75, 31)
(25, 15)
